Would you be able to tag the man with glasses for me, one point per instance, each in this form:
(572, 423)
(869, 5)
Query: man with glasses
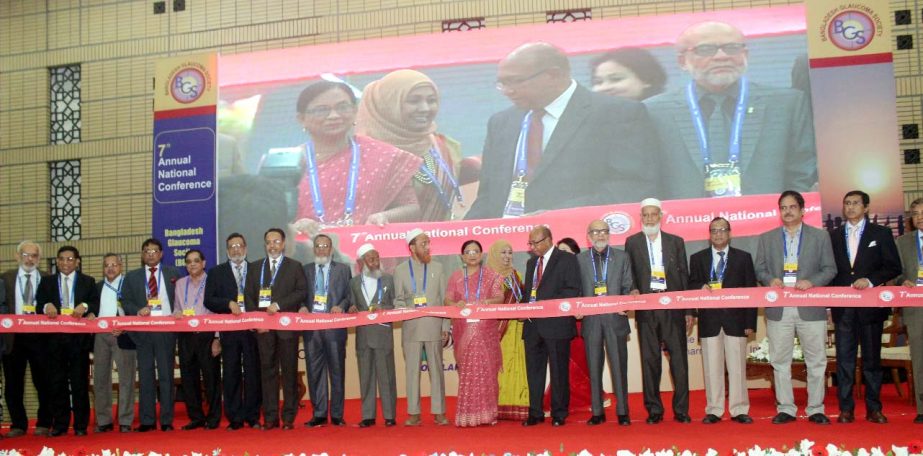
(21, 287)
(561, 145)
(723, 332)
(724, 135)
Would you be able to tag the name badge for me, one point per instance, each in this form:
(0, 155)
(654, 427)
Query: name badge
(320, 304)
(722, 180)
(789, 274)
(716, 285)
(156, 307)
(67, 311)
(28, 310)
(919, 278)
(533, 296)
(516, 201)
(265, 298)
(658, 279)
(419, 301)
(188, 312)
(472, 320)
(600, 289)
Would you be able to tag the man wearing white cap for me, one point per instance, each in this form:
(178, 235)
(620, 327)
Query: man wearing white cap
(658, 264)
(372, 290)
(421, 283)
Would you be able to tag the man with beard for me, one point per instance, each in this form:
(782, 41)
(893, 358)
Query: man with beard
(325, 349)
(724, 135)
(796, 256)
(224, 294)
(372, 291)
(418, 283)
(21, 286)
(658, 264)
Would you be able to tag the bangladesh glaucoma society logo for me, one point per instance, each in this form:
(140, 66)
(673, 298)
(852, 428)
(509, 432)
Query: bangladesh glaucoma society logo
(372, 316)
(285, 320)
(851, 29)
(886, 296)
(187, 85)
(665, 300)
(619, 222)
(7, 323)
(103, 324)
(772, 296)
(194, 323)
(564, 306)
(465, 312)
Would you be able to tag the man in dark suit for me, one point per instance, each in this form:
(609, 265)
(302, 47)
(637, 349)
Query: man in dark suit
(723, 332)
(277, 284)
(866, 256)
(325, 349)
(371, 291)
(550, 274)
(908, 246)
(71, 294)
(149, 291)
(606, 271)
(21, 287)
(696, 123)
(796, 256)
(658, 264)
(561, 145)
(240, 359)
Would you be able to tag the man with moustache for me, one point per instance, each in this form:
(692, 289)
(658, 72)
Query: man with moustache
(724, 135)
(198, 350)
(796, 256)
(866, 256)
(371, 291)
(69, 293)
(658, 264)
(419, 282)
(723, 332)
(325, 349)
(911, 252)
(112, 346)
(536, 153)
(149, 291)
(606, 271)
(277, 284)
(240, 359)
(22, 348)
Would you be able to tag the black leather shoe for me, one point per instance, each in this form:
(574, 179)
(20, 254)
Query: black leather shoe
(532, 421)
(337, 422)
(918, 419)
(315, 422)
(270, 426)
(57, 432)
(389, 423)
(166, 427)
(103, 428)
(145, 428)
(624, 420)
(654, 418)
(743, 418)
(846, 417)
(682, 418)
(711, 419)
(876, 417)
(819, 418)
(123, 428)
(255, 425)
(80, 433)
(288, 427)
(782, 418)
(557, 422)
(235, 426)
(596, 419)
(366, 423)
(211, 426)
(193, 425)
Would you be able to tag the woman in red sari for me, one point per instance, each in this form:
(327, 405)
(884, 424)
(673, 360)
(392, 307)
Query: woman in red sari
(348, 179)
(477, 342)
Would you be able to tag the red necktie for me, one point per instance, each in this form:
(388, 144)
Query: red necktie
(534, 140)
(538, 272)
(152, 290)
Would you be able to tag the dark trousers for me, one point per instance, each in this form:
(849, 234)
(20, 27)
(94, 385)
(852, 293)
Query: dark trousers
(540, 353)
(27, 348)
(279, 352)
(850, 333)
(70, 387)
(198, 367)
(156, 360)
(241, 377)
(597, 339)
(325, 355)
(656, 327)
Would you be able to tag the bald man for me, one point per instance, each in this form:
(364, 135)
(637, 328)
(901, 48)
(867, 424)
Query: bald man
(560, 145)
(697, 121)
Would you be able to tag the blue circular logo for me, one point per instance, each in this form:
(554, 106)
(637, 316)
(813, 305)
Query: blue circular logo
(851, 30)
(187, 85)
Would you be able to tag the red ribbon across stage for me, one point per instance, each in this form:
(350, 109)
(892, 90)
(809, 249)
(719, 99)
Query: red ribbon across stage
(697, 299)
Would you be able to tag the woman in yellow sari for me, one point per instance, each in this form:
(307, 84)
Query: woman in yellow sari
(513, 403)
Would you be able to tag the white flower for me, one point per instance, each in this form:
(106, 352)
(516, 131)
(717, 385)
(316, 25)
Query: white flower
(862, 452)
(876, 451)
(756, 451)
(46, 452)
(687, 453)
(584, 452)
(793, 452)
(624, 453)
(899, 451)
(805, 445)
(832, 450)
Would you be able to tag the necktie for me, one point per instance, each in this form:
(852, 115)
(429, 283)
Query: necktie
(718, 130)
(321, 286)
(535, 139)
(28, 290)
(598, 259)
(853, 243)
(538, 272)
(152, 290)
(66, 299)
(720, 266)
(240, 279)
(272, 269)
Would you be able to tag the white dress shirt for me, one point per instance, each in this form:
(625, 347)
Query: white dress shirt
(109, 299)
(554, 111)
(34, 277)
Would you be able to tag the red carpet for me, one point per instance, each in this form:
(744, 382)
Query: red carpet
(511, 436)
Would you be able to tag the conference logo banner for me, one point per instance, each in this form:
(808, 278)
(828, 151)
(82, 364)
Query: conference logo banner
(573, 307)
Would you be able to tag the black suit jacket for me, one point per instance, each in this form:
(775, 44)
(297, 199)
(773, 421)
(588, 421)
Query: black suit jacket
(84, 292)
(221, 288)
(877, 260)
(674, 262)
(134, 294)
(738, 274)
(600, 153)
(560, 279)
(289, 290)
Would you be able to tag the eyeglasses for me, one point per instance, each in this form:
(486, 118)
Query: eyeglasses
(275, 242)
(322, 112)
(236, 246)
(535, 243)
(597, 232)
(322, 246)
(472, 252)
(709, 50)
(509, 83)
(67, 259)
(151, 251)
(719, 230)
(28, 255)
(853, 203)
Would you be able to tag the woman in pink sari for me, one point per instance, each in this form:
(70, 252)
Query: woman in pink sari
(477, 342)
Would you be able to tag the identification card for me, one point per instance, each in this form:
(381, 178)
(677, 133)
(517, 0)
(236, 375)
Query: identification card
(919, 278)
(714, 285)
(658, 279)
(188, 312)
(67, 311)
(600, 289)
(516, 201)
(28, 310)
(320, 304)
(240, 298)
(789, 274)
(156, 307)
(722, 180)
(533, 296)
(472, 320)
(419, 301)
(265, 298)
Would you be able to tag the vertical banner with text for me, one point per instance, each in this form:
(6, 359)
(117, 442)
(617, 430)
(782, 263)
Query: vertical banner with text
(185, 205)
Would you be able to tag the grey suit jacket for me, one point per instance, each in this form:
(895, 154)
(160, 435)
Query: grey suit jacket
(777, 150)
(674, 262)
(907, 249)
(424, 329)
(134, 293)
(337, 288)
(373, 335)
(815, 264)
(618, 282)
(9, 295)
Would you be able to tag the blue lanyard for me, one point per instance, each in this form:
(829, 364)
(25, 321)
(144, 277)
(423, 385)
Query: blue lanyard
(117, 291)
(414, 280)
(73, 290)
(605, 265)
(377, 288)
(736, 126)
(22, 286)
(522, 162)
(477, 296)
(919, 249)
(326, 275)
(650, 251)
(353, 178)
(198, 293)
(846, 237)
(513, 285)
(785, 244)
(534, 295)
(711, 268)
(448, 173)
(147, 290)
(263, 270)
(243, 277)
